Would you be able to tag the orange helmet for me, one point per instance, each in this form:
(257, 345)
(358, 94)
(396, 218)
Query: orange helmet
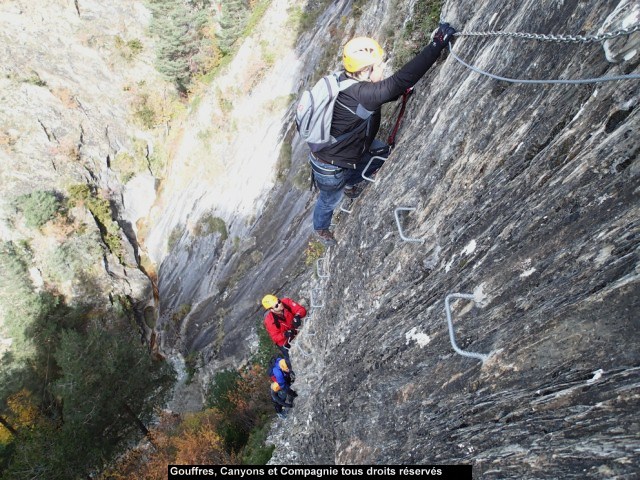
(283, 365)
(361, 52)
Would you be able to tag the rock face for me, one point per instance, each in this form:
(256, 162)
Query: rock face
(68, 78)
(210, 283)
(526, 196)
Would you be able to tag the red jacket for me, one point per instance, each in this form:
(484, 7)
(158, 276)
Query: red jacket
(276, 325)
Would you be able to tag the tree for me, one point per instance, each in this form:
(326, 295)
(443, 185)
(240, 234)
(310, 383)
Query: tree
(104, 378)
(19, 303)
(180, 30)
(232, 24)
(191, 440)
(38, 207)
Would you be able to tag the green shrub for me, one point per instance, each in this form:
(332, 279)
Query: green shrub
(233, 20)
(208, 224)
(256, 452)
(78, 254)
(284, 161)
(38, 207)
(191, 365)
(302, 179)
(257, 13)
(174, 236)
(34, 79)
(144, 112)
(135, 46)
(19, 303)
(123, 306)
(78, 194)
(100, 208)
(415, 35)
(129, 165)
(313, 252)
(181, 313)
(224, 382)
(128, 50)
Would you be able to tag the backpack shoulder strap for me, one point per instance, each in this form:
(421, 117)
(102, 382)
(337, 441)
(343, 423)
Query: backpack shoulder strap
(346, 83)
(276, 320)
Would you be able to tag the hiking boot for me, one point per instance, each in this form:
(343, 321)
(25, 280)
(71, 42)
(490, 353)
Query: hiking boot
(352, 191)
(326, 237)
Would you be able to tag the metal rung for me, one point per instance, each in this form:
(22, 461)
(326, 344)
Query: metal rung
(369, 179)
(402, 236)
(447, 308)
(342, 209)
(307, 332)
(296, 346)
(309, 317)
(311, 301)
(318, 269)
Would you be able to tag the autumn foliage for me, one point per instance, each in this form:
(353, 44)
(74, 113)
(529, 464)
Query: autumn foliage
(214, 436)
(192, 439)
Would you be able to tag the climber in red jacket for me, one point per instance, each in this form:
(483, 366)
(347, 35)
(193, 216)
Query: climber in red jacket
(282, 320)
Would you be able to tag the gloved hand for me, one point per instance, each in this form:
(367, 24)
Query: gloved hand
(292, 377)
(288, 334)
(297, 321)
(443, 35)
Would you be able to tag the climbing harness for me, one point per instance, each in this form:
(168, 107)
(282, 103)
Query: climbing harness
(391, 141)
(549, 38)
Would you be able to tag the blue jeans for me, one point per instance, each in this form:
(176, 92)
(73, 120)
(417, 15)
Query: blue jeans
(334, 180)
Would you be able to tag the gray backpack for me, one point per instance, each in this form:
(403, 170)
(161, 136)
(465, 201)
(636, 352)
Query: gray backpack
(315, 111)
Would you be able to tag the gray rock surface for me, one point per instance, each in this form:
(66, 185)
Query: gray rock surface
(526, 196)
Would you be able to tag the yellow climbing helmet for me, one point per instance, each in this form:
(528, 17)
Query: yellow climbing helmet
(361, 52)
(283, 365)
(269, 301)
(275, 387)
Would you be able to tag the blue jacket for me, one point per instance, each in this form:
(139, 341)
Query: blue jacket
(283, 378)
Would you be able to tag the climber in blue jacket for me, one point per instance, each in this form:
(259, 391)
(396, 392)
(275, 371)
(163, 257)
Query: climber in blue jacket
(283, 375)
(282, 394)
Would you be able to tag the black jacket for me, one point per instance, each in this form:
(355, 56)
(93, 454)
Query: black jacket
(371, 96)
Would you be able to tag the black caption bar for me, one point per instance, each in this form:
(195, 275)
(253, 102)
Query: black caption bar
(196, 472)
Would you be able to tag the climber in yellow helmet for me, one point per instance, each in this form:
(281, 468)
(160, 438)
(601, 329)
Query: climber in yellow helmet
(282, 377)
(338, 168)
(281, 399)
(282, 320)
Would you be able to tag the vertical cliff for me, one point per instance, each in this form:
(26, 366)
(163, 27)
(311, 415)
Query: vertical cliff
(73, 74)
(525, 196)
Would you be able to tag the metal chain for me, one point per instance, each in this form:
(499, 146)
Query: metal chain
(553, 38)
